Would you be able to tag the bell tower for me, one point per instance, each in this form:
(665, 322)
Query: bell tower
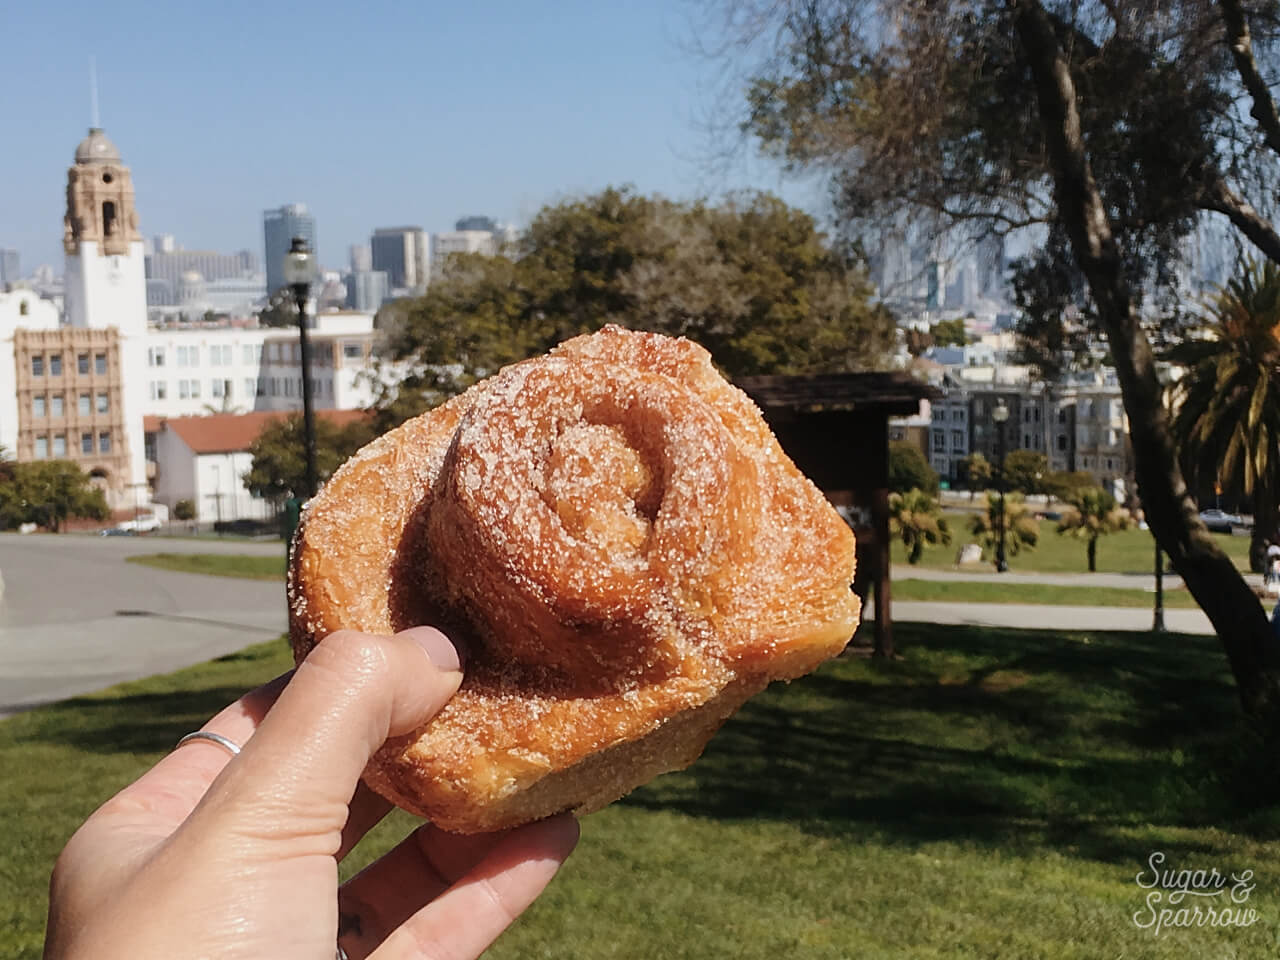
(105, 281)
(105, 265)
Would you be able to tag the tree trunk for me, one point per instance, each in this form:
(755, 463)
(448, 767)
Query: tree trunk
(1219, 589)
(1093, 554)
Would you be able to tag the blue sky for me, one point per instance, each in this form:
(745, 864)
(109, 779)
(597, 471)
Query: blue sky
(374, 114)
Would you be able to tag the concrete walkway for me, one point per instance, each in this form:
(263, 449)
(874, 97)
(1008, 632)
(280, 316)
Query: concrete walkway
(1042, 616)
(76, 617)
(1133, 581)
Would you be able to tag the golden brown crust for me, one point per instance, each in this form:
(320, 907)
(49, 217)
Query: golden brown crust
(621, 542)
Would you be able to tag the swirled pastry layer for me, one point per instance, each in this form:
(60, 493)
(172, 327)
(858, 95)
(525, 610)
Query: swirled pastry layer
(622, 544)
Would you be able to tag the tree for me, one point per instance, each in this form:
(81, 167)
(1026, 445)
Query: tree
(1093, 513)
(1024, 470)
(184, 510)
(750, 279)
(278, 469)
(917, 518)
(47, 493)
(949, 333)
(977, 473)
(909, 470)
(281, 309)
(1227, 403)
(1061, 484)
(1021, 529)
(1112, 128)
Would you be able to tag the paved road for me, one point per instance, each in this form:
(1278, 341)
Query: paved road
(75, 617)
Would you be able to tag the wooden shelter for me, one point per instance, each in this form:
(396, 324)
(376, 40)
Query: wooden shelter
(836, 429)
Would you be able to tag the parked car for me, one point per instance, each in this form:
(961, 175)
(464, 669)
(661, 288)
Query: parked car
(148, 524)
(117, 532)
(1220, 522)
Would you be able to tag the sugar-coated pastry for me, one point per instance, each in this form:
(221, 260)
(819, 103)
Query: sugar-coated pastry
(622, 545)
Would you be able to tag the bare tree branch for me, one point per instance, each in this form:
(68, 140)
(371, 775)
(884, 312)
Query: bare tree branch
(1241, 45)
(1220, 198)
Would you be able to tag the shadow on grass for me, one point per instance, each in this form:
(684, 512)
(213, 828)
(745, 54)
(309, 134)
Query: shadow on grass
(1005, 738)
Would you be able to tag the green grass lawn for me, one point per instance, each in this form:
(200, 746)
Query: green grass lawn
(1129, 551)
(245, 565)
(952, 591)
(993, 794)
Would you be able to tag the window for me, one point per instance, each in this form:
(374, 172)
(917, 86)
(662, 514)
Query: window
(55, 369)
(102, 406)
(195, 389)
(957, 439)
(155, 357)
(23, 309)
(288, 386)
(59, 444)
(158, 389)
(1026, 441)
(219, 388)
(1062, 414)
(37, 366)
(939, 441)
(1109, 464)
(86, 443)
(1026, 414)
(42, 448)
(84, 405)
(104, 442)
(220, 355)
(100, 363)
(351, 351)
(1062, 442)
(82, 363)
(249, 387)
(957, 415)
(37, 406)
(248, 353)
(55, 406)
(275, 352)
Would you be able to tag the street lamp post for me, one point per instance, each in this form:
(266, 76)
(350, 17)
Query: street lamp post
(299, 268)
(1000, 415)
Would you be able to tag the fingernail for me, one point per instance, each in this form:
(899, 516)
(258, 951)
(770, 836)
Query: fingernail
(444, 653)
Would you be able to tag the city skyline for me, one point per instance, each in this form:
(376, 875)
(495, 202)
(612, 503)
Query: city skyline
(398, 116)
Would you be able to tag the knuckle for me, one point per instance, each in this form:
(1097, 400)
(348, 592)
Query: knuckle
(351, 657)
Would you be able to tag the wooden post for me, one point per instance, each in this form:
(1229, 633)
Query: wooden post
(884, 613)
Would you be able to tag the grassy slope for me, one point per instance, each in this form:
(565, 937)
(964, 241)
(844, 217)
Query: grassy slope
(949, 591)
(1129, 551)
(992, 794)
(216, 564)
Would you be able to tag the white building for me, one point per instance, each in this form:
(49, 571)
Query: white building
(204, 459)
(203, 369)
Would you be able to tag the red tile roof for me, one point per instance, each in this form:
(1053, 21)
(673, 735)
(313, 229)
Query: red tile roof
(232, 432)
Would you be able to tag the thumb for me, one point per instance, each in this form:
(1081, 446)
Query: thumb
(351, 693)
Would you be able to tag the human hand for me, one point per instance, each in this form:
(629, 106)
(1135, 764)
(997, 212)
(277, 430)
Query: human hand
(210, 855)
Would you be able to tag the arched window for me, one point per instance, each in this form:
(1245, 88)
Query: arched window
(22, 309)
(108, 218)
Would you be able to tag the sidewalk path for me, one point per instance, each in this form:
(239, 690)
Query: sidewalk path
(1044, 616)
(1133, 581)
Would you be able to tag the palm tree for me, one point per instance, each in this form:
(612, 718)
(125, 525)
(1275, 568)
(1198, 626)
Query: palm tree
(917, 518)
(1093, 513)
(1021, 528)
(1227, 404)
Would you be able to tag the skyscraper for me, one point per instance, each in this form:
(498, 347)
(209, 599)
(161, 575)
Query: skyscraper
(279, 227)
(402, 253)
(9, 268)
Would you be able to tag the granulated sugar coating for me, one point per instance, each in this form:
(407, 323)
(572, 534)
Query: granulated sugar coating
(624, 548)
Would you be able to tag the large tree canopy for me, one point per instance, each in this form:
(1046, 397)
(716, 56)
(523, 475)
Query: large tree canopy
(1110, 129)
(751, 279)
